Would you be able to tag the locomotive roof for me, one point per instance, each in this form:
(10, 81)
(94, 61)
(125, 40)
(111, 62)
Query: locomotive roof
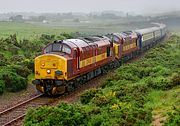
(77, 42)
(126, 34)
(117, 34)
(86, 42)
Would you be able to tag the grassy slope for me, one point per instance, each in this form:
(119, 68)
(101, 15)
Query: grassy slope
(28, 31)
(31, 30)
(163, 102)
(140, 93)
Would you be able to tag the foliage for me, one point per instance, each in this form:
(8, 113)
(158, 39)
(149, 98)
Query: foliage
(62, 115)
(17, 59)
(2, 86)
(12, 81)
(175, 79)
(174, 118)
(123, 97)
(88, 95)
(23, 71)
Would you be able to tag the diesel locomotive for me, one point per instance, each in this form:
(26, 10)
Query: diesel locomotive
(66, 64)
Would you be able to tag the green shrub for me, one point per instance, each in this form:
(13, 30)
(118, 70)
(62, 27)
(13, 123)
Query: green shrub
(2, 86)
(88, 95)
(66, 35)
(3, 60)
(46, 38)
(63, 115)
(97, 120)
(175, 79)
(13, 49)
(28, 63)
(23, 71)
(16, 58)
(174, 118)
(132, 93)
(13, 82)
(160, 83)
(100, 100)
(109, 82)
(160, 71)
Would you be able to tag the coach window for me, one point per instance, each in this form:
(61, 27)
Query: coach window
(108, 51)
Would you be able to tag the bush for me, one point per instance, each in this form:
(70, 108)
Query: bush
(88, 95)
(174, 118)
(160, 83)
(3, 60)
(176, 79)
(23, 71)
(16, 58)
(100, 100)
(66, 35)
(46, 38)
(28, 63)
(13, 82)
(2, 86)
(63, 115)
(30, 48)
(132, 93)
(13, 49)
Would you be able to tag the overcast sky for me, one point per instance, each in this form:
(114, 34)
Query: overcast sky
(136, 6)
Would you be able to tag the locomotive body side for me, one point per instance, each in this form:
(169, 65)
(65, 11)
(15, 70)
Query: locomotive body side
(68, 61)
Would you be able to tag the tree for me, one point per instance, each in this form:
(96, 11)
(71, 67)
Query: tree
(17, 18)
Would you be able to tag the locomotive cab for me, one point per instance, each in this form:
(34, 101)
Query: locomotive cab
(51, 68)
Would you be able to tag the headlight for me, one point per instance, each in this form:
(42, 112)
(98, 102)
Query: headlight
(48, 71)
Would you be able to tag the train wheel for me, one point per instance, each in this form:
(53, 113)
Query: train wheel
(116, 64)
(61, 89)
(70, 87)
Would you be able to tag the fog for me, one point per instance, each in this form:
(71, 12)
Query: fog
(86, 6)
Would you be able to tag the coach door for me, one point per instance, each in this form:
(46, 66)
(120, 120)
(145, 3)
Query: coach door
(139, 41)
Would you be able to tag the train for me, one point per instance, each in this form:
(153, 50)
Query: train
(64, 65)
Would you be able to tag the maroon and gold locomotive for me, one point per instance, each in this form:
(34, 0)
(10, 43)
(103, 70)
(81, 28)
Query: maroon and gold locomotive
(67, 64)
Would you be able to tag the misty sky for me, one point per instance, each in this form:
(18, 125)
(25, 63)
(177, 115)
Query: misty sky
(136, 6)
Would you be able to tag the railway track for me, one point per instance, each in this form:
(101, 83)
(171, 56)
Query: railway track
(17, 112)
(13, 116)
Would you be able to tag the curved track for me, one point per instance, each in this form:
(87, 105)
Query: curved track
(18, 111)
(13, 116)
